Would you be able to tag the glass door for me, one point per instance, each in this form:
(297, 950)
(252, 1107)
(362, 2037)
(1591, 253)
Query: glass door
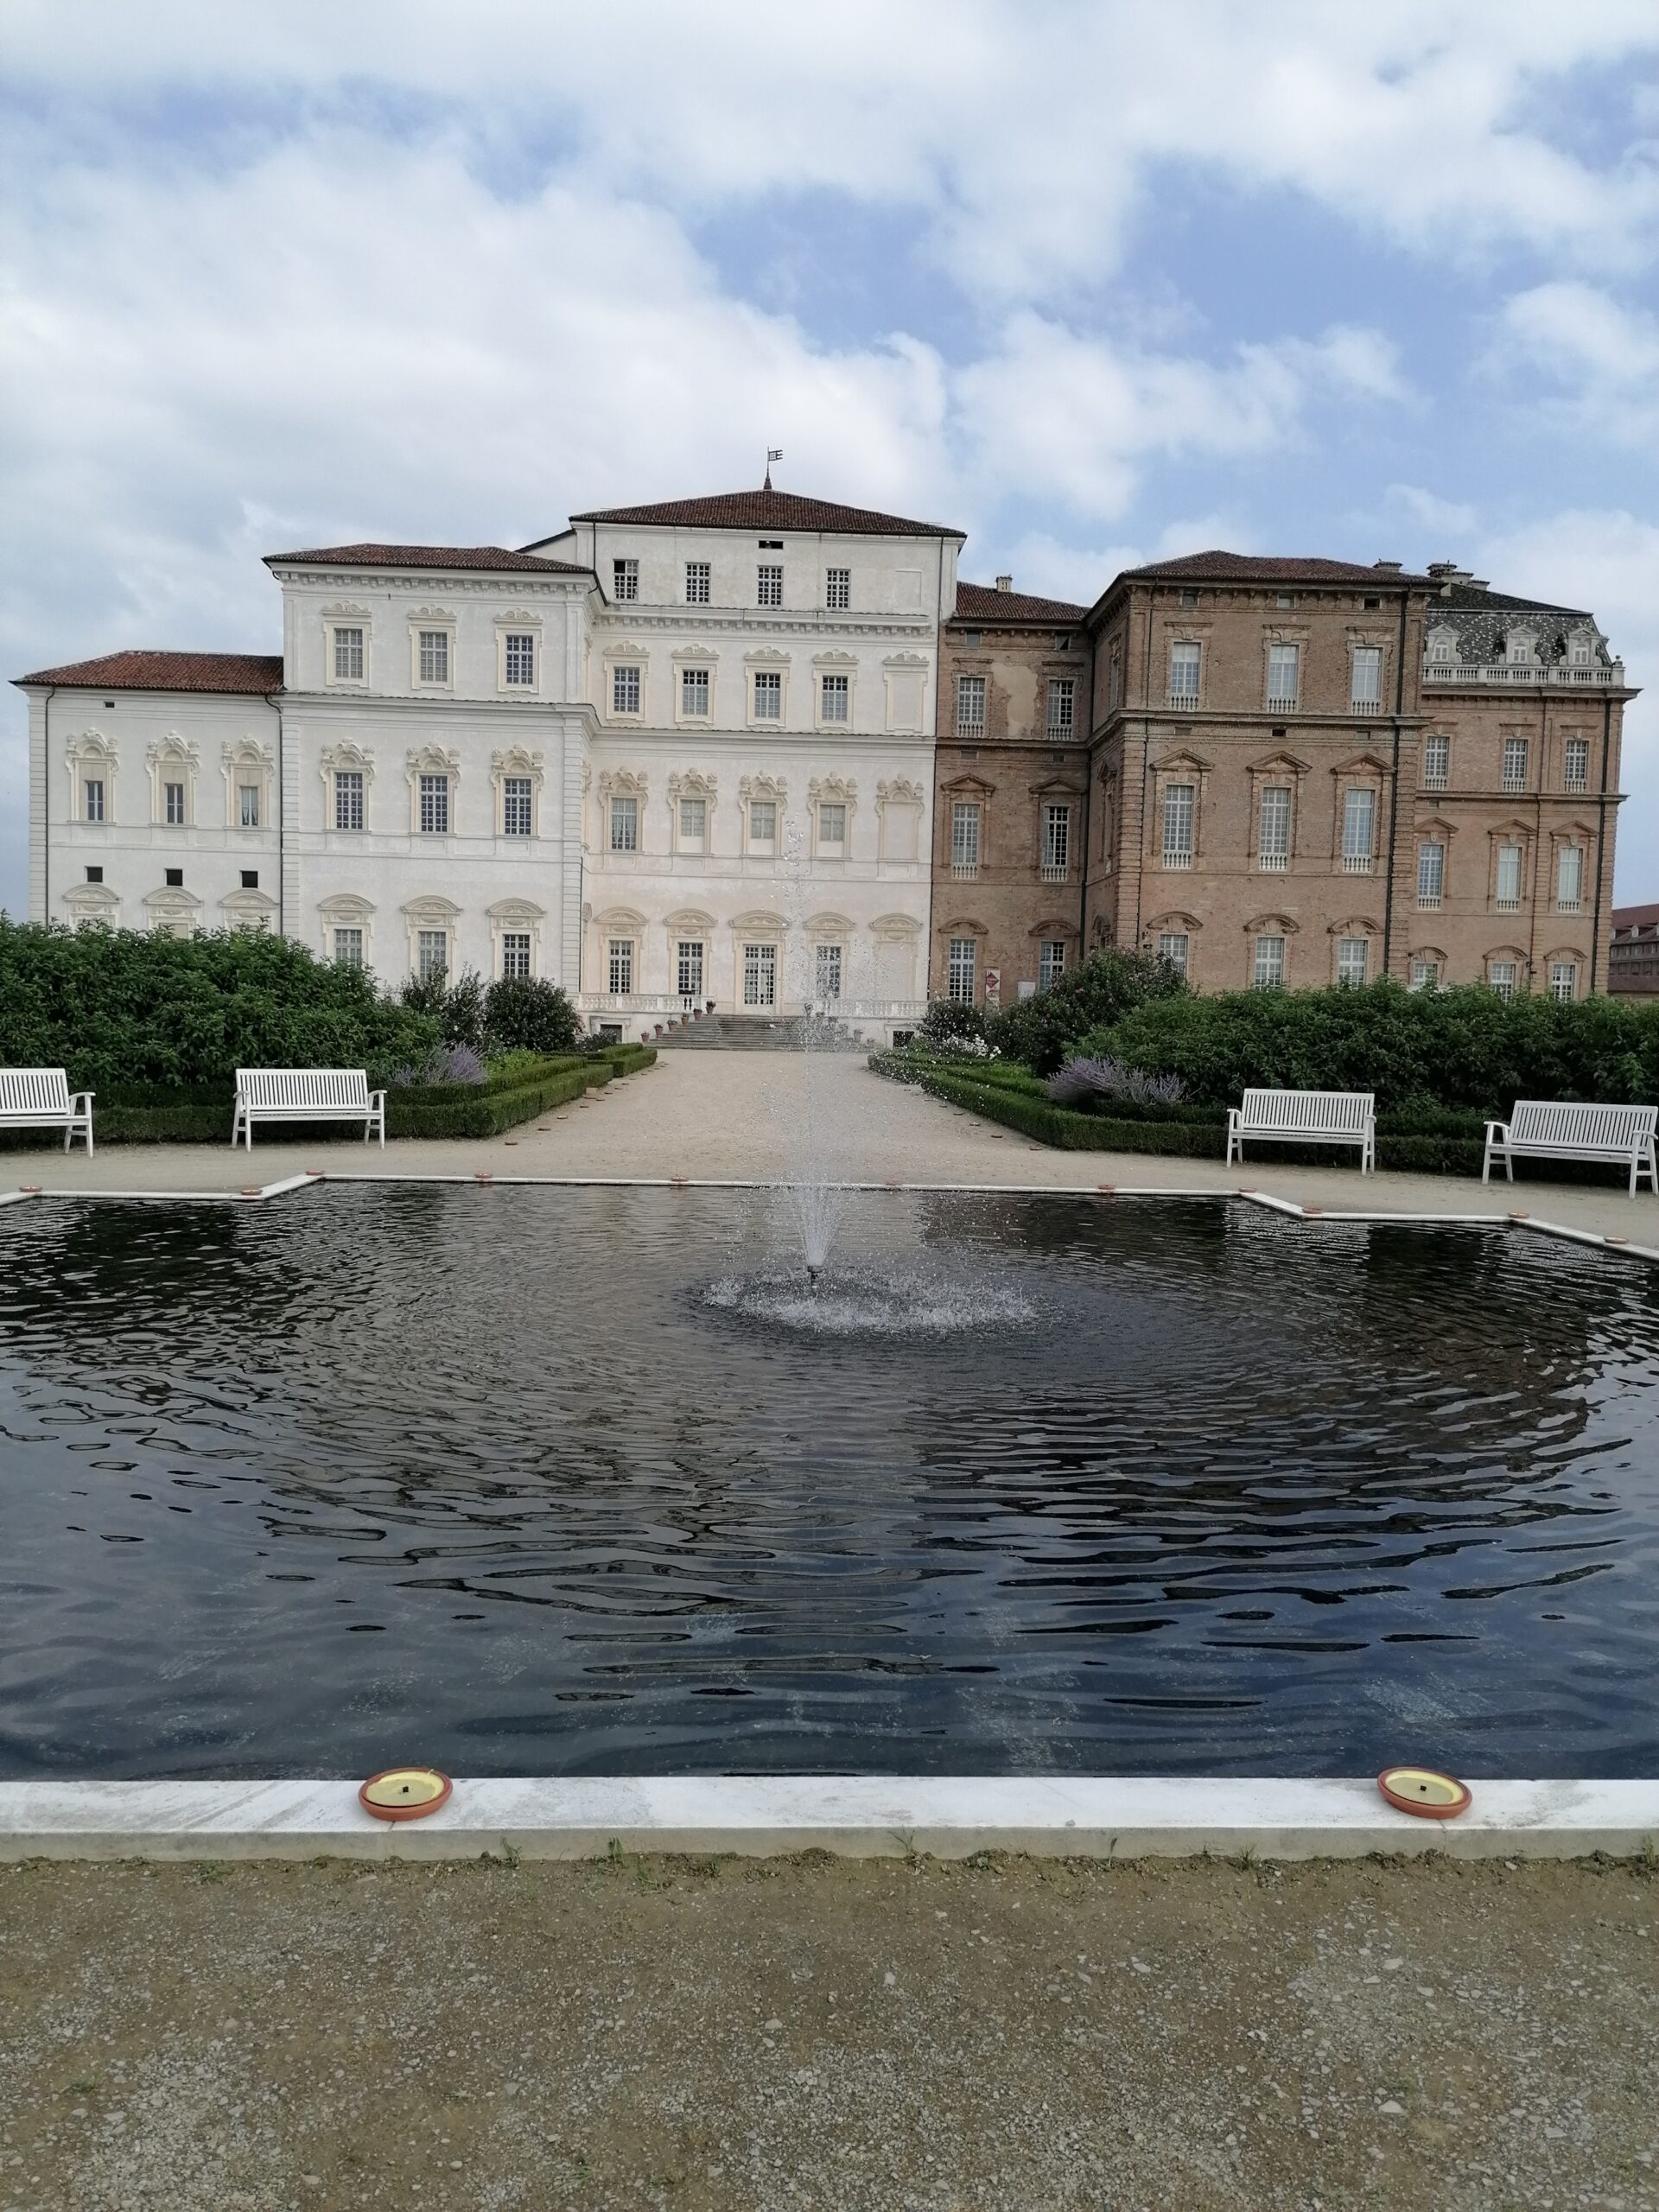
(759, 975)
(689, 964)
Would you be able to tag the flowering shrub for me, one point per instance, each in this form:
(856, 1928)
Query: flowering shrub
(449, 1063)
(1105, 1078)
(966, 1048)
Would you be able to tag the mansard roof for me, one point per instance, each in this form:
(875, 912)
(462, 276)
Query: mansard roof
(983, 603)
(257, 673)
(770, 510)
(1482, 620)
(423, 556)
(1269, 567)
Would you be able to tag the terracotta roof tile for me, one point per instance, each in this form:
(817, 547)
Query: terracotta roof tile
(1633, 918)
(767, 510)
(1270, 568)
(981, 603)
(257, 673)
(423, 556)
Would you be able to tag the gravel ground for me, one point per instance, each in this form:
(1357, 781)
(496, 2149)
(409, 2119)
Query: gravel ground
(1003, 2036)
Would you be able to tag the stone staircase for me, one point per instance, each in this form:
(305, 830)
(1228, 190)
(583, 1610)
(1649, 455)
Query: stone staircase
(757, 1032)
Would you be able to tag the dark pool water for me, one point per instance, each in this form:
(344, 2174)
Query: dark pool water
(517, 1482)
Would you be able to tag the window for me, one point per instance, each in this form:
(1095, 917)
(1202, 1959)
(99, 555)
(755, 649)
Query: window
(832, 825)
(517, 797)
(763, 822)
(1569, 878)
(1437, 762)
(1515, 764)
(688, 961)
(1440, 649)
(431, 954)
(247, 805)
(1502, 976)
(624, 690)
(1425, 975)
(768, 695)
(173, 795)
(1564, 979)
(348, 798)
(1268, 970)
(619, 963)
(769, 590)
(1431, 873)
(625, 580)
(515, 955)
(759, 975)
(1353, 957)
(520, 658)
(95, 875)
(174, 878)
(348, 948)
(434, 656)
(1575, 764)
(964, 837)
(348, 656)
(1057, 841)
(970, 706)
(93, 788)
(1179, 805)
(434, 806)
(1358, 830)
(1176, 947)
(959, 971)
(1508, 879)
(1367, 687)
(694, 692)
(1051, 963)
(1273, 836)
(838, 590)
(1284, 674)
(1184, 658)
(1062, 705)
(835, 696)
(694, 822)
(1579, 653)
(1371, 605)
(625, 825)
(696, 583)
(1062, 641)
(826, 972)
(1189, 596)
(249, 879)
(1284, 599)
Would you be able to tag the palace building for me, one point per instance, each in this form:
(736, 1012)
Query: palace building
(761, 751)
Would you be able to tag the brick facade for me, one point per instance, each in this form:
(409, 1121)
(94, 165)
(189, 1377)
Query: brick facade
(1303, 771)
(1010, 793)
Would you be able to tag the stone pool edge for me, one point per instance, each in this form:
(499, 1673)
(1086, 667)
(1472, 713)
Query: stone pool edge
(852, 1816)
(313, 1178)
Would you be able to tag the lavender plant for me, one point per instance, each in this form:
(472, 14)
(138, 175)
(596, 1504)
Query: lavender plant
(1083, 1079)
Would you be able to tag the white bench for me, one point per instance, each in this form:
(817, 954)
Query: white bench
(39, 1098)
(1543, 1128)
(306, 1095)
(1305, 1117)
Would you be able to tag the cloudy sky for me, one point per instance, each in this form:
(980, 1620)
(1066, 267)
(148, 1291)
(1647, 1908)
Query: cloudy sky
(1093, 282)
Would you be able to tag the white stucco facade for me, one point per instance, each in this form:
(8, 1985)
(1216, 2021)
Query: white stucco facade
(657, 759)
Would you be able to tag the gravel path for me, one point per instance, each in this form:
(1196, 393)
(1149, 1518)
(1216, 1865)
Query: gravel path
(851, 2036)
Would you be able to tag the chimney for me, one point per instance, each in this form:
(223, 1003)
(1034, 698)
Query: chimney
(1005, 583)
(1389, 568)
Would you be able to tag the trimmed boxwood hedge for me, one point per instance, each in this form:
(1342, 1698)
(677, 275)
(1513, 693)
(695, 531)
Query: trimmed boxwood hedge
(1444, 1142)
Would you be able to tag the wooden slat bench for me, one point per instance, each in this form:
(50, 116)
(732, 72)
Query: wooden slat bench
(1545, 1128)
(306, 1095)
(1305, 1117)
(39, 1098)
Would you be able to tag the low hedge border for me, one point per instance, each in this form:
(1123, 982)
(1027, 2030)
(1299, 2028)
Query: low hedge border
(1177, 1131)
(203, 1116)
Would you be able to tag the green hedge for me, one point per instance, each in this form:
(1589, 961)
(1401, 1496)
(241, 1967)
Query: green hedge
(481, 1112)
(1431, 1143)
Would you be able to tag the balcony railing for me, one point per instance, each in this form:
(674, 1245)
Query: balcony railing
(1568, 905)
(1055, 871)
(1427, 901)
(975, 730)
(1275, 864)
(1509, 906)
(1356, 863)
(964, 871)
(1364, 707)
(1511, 673)
(1282, 706)
(1173, 858)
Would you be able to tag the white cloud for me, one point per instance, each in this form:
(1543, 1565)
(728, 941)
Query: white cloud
(1032, 134)
(1607, 559)
(1058, 414)
(1447, 518)
(1602, 357)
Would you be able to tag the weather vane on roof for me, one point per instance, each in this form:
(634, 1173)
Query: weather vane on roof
(773, 453)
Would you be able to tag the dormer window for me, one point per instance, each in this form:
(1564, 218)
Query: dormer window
(1579, 652)
(1518, 647)
(624, 579)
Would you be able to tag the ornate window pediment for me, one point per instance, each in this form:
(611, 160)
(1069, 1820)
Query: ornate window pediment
(834, 659)
(1272, 925)
(1361, 765)
(93, 902)
(1056, 926)
(432, 760)
(432, 912)
(622, 783)
(510, 911)
(775, 788)
(1175, 918)
(760, 920)
(898, 791)
(1356, 925)
(895, 929)
(838, 790)
(830, 926)
(969, 786)
(690, 919)
(1182, 762)
(346, 906)
(518, 760)
(691, 783)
